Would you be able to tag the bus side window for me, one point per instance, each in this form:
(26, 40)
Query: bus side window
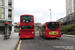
(22, 27)
(40, 29)
(43, 28)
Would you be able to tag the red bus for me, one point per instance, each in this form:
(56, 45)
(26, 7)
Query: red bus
(27, 27)
(50, 29)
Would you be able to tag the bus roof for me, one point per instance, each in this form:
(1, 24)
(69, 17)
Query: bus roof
(26, 14)
(52, 21)
(47, 22)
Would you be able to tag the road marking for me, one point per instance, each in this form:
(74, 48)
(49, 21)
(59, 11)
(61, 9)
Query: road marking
(40, 41)
(18, 48)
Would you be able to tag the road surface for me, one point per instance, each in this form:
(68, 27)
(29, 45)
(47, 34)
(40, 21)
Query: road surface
(39, 43)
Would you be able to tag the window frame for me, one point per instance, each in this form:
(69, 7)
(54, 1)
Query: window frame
(54, 24)
(25, 19)
(3, 12)
(2, 2)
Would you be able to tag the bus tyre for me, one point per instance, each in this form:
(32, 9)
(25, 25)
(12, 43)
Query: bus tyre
(39, 35)
(44, 36)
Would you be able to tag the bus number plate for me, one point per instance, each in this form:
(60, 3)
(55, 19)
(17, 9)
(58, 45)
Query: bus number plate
(53, 36)
(27, 36)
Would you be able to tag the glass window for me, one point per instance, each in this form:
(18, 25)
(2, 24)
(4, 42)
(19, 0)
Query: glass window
(27, 27)
(3, 13)
(9, 0)
(9, 6)
(2, 10)
(2, 16)
(74, 8)
(1, 2)
(44, 28)
(74, 2)
(53, 25)
(27, 19)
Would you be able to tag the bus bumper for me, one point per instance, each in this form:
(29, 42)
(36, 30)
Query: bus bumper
(52, 36)
(27, 36)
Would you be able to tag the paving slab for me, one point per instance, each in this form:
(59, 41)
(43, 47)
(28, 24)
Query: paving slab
(69, 35)
(9, 44)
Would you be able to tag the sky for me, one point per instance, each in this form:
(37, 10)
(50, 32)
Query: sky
(40, 9)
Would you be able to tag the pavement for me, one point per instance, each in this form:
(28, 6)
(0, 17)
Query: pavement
(9, 44)
(69, 35)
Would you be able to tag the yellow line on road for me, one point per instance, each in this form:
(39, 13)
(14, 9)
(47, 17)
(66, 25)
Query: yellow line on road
(18, 48)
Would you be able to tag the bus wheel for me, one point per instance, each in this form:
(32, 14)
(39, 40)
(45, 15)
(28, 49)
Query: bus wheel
(44, 36)
(33, 38)
(39, 35)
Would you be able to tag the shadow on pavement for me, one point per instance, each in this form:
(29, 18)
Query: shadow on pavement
(26, 39)
(52, 38)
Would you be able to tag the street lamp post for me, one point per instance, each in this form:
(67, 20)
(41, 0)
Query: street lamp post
(35, 21)
(56, 18)
(50, 14)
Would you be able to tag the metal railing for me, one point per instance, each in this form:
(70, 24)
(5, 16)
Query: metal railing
(69, 18)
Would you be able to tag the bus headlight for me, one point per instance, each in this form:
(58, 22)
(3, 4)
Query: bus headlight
(32, 32)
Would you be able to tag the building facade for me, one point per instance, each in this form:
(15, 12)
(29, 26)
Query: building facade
(7, 13)
(70, 6)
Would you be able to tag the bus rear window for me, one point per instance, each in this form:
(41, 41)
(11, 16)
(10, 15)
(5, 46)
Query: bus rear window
(27, 27)
(27, 19)
(51, 25)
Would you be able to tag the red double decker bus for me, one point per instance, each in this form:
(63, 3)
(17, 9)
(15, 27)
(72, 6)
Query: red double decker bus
(27, 27)
(50, 29)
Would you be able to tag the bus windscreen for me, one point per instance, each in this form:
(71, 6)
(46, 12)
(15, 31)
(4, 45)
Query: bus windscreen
(27, 19)
(53, 25)
(27, 27)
